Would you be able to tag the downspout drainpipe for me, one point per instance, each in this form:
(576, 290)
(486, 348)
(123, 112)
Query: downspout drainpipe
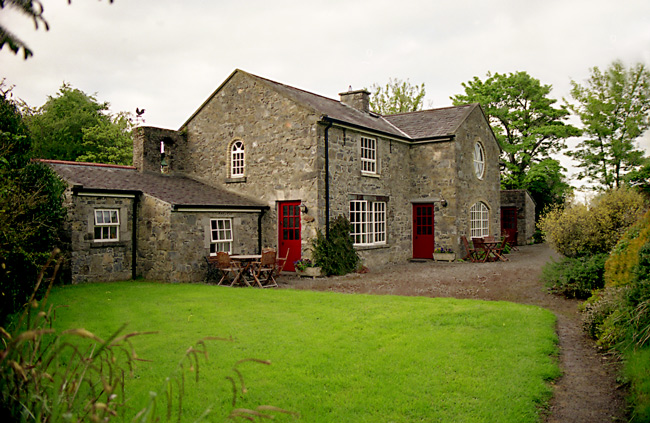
(259, 231)
(134, 238)
(327, 179)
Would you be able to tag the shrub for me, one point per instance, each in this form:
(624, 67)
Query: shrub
(31, 211)
(599, 307)
(336, 255)
(578, 230)
(575, 277)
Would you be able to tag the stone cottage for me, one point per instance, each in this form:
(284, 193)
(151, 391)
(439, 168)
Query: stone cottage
(261, 163)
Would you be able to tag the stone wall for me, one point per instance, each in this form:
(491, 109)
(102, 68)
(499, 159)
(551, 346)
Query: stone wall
(147, 156)
(525, 205)
(172, 245)
(470, 189)
(283, 157)
(92, 261)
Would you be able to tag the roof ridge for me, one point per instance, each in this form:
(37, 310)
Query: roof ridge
(69, 162)
(433, 110)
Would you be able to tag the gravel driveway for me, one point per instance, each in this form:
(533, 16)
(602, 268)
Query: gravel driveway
(587, 392)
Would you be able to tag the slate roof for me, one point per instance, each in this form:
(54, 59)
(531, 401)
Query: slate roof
(175, 190)
(414, 126)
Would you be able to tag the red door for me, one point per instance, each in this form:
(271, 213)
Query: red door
(509, 224)
(423, 240)
(289, 232)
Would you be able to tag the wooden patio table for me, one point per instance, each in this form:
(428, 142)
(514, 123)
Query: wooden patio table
(245, 262)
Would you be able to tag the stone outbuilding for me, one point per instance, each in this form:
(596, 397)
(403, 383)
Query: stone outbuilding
(518, 216)
(261, 163)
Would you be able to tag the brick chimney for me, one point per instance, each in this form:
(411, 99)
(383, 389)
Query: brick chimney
(359, 99)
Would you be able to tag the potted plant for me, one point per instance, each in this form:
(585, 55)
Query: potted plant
(305, 267)
(444, 254)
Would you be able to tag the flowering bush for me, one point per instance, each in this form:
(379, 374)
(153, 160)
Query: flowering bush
(443, 250)
(302, 264)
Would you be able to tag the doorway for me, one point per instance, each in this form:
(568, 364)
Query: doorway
(423, 233)
(289, 237)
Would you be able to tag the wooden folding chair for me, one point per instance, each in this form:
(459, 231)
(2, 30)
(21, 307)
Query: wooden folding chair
(483, 252)
(227, 267)
(499, 249)
(264, 269)
(470, 253)
(280, 263)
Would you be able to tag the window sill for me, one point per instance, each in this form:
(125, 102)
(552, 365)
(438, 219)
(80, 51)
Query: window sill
(370, 174)
(236, 180)
(108, 244)
(371, 247)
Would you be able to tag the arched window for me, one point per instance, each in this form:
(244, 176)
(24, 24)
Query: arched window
(479, 220)
(479, 160)
(237, 160)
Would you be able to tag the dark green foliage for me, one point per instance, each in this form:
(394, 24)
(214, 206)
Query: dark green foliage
(575, 277)
(336, 255)
(31, 211)
(57, 127)
(527, 125)
(613, 106)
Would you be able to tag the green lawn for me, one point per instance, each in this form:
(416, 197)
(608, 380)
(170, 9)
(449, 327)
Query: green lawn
(335, 357)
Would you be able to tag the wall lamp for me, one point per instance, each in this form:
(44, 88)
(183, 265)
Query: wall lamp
(303, 208)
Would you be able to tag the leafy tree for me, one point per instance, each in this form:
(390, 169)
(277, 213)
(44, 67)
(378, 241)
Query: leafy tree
(57, 126)
(31, 210)
(109, 142)
(75, 126)
(613, 106)
(396, 96)
(31, 8)
(546, 184)
(527, 126)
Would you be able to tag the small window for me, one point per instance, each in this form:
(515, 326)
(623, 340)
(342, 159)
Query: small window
(237, 161)
(368, 220)
(107, 225)
(479, 220)
(368, 155)
(220, 236)
(479, 160)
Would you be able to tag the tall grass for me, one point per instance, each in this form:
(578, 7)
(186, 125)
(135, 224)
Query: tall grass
(335, 357)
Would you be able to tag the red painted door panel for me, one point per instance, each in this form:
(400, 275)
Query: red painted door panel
(423, 233)
(289, 236)
(509, 224)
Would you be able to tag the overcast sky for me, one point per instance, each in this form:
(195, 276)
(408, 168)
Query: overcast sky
(168, 56)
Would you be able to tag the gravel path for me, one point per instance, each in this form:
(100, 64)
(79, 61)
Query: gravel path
(587, 392)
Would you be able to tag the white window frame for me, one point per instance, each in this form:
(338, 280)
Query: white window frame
(237, 159)
(107, 225)
(479, 220)
(479, 160)
(220, 236)
(368, 155)
(368, 221)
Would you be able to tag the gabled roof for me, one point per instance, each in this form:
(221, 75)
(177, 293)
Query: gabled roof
(430, 124)
(414, 126)
(175, 190)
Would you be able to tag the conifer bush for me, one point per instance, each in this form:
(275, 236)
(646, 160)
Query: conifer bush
(336, 255)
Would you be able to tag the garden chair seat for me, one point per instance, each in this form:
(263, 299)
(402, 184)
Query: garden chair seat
(264, 270)
(229, 269)
(470, 252)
